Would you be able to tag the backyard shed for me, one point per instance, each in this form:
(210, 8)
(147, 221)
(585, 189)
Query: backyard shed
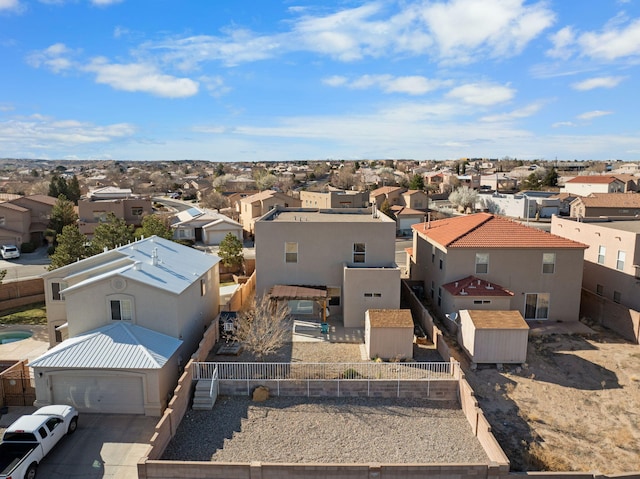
(389, 333)
(494, 336)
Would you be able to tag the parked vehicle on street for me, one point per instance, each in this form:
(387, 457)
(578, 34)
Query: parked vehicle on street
(30, 438)
(9, 251)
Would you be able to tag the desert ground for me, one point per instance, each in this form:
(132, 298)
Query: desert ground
(574, 406)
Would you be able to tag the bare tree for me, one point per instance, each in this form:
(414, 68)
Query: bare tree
(265, 327)
(464, 198)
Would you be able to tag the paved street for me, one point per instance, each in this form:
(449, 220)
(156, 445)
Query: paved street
(29, 265)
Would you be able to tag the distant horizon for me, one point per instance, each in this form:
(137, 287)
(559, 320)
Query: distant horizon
(277, 80)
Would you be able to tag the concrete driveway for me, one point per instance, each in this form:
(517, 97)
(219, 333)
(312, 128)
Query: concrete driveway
(104, 446)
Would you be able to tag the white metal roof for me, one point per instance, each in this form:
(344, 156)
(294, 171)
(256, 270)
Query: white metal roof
(174, 268)
(115, 346)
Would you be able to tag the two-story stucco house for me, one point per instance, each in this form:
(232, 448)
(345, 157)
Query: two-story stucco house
(346, 256)
(123, 323)
(94, 209)
(611, 270)
(586, 184)
(254, 206)
(484, 261)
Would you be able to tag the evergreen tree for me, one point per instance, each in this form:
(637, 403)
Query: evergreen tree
(230, 251)
(551, 178)
(72, 246)
(112, 233)
(62, 214)
(531, 182)
(58, 186)
(73, 190)
(417, 182)
(155, 225)
(386, 209)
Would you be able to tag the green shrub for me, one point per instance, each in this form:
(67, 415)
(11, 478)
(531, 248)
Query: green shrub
(51, 249)
(27, 248)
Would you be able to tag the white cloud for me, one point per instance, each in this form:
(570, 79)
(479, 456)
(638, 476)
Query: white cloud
(141, 77)
(525, 112)
(335, 80)
(56, 58)
(563, 44)
(105, 3)
(40, 131)
(467, 29)
(411, 85)
(563, 123)
(598, 82)
(613, 42)
(6, 108)
(482, 94)
(10, 5)
(590, 115)
(459, 31)
(215, 85)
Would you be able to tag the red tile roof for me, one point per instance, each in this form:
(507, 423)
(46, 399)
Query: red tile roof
(596, 179)
(472, 286)
(385, 190)
(484, 230)
(612, 200)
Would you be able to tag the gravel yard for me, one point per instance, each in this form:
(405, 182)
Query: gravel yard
(327, 430)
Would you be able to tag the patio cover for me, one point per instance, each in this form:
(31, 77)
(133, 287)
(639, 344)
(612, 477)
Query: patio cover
(292, 292)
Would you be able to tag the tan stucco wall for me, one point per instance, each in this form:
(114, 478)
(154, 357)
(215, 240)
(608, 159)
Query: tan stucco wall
(359, 282)
(614, 240)
(518, 270)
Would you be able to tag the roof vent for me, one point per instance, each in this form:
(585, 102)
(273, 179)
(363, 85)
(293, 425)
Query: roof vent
(137, 265)
(154, 257)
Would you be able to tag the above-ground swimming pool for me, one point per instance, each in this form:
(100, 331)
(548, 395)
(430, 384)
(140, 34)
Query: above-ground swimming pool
(13, 336)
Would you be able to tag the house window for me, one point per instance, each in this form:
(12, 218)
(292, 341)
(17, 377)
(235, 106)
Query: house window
(359, 251)
(301, 306)
(3, 220)
(136, 211)
(433, 289)
(56, 287)
(548, 263)
(121, 309)
(617, 295)
(482, 263)
(439, 296)
(481, 301)
(433, 253)
(601, 252)
(599, 290)
(100, 216)
(291, 252)
(373, 295)
(203, 287)
(620, 260)
(536, 306)
(441, 264)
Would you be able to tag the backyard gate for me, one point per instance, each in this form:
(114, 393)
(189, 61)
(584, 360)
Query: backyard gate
(16, 385)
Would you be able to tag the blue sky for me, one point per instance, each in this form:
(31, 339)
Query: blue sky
(303, 80)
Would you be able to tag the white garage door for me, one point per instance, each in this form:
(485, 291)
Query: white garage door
(99, 394)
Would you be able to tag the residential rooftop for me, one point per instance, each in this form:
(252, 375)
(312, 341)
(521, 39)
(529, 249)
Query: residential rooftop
(631, 225)
(314, 215)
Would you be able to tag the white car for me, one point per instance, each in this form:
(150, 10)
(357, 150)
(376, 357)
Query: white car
(9, 251)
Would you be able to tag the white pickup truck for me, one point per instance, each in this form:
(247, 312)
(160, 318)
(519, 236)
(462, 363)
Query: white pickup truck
(30, 438)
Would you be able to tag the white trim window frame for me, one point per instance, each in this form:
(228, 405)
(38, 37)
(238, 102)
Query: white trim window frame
(482, 263)
(290, 252)
(548, 263)
(120, 307)
(359, 252)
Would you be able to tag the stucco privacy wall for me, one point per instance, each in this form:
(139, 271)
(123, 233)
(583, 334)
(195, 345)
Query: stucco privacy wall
(20, 293)
(617, 317)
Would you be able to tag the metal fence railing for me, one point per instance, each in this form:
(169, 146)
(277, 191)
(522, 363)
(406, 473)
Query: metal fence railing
(326, 371)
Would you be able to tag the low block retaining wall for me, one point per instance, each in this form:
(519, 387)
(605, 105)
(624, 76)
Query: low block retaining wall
(433, 389)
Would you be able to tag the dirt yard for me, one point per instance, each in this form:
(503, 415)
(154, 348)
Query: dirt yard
(575, 405)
